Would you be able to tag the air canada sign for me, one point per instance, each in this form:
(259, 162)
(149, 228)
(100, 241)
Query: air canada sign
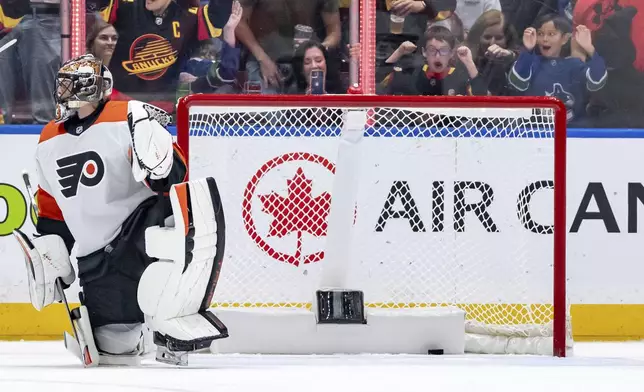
(295, 207)
(594, 193)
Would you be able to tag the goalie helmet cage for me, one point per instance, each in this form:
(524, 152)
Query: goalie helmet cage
(505, 269)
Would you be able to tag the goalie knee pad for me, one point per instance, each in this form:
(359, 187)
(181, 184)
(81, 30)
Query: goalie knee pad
(112, 344)
(119, 338)
(175, 292)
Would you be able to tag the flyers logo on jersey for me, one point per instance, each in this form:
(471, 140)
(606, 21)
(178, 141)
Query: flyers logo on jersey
(150, 57)
(86, 168)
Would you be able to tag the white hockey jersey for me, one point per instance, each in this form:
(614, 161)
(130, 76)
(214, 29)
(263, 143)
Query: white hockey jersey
(85, 177)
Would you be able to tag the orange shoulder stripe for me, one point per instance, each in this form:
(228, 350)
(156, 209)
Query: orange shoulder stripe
(50, 131)
(114, 111)
(47, 206)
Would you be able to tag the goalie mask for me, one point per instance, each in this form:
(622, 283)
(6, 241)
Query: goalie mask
(79, 82)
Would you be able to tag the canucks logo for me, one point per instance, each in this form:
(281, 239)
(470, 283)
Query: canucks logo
(150, 57)
(564, 96)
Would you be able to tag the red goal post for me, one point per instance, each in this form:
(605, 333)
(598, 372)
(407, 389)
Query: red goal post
(238, 138)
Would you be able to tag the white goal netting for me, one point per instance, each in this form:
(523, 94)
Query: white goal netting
(452, 206)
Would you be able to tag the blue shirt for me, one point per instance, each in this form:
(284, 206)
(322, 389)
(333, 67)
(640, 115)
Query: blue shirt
(568, 79)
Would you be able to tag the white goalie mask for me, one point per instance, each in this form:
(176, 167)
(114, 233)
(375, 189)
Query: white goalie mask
(81, 81)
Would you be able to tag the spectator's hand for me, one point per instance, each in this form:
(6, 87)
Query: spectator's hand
(231, 25)
(185, 77)
(465, 55)
(530, 38)
(270, 72)
(406, 7)
(584, 39)
(235, 16)
(576, 51)
(406, 48)
(495, 51)
(355, 52)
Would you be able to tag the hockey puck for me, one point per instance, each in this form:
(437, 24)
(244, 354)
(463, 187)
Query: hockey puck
(436, 351)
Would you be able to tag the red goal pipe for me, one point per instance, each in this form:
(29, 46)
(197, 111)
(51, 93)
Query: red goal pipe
(560, 231)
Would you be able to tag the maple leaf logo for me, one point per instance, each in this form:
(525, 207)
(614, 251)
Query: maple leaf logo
(298, 212)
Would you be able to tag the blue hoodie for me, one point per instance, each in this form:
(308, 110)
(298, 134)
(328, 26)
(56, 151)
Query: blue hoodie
(568, 79)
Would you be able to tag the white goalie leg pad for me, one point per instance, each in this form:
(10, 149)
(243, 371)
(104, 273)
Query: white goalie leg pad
(47, 259)
(175, 292)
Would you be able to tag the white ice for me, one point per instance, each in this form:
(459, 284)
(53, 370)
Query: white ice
(606, 367)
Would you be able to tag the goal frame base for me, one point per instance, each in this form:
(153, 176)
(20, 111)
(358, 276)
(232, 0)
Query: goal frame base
(294, 331)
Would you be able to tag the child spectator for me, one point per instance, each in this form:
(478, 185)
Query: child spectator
(436, 76)
(419, 15)
(213, 70)
(540, 70)
(495, 47)
(200, 62)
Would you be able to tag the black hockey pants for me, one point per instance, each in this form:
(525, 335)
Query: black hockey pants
(109, 277)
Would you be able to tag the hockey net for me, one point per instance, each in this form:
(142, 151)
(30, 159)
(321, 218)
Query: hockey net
(452, 201)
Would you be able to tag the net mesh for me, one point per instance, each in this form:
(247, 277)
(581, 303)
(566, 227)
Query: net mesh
(454, 206)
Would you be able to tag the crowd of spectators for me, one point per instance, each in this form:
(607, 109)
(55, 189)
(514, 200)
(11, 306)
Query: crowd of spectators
(587, 53)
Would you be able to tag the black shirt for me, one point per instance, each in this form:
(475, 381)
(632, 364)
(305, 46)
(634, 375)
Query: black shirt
(151, 50)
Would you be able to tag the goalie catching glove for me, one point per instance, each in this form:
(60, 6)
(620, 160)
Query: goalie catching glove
(47, 260)
(152, 151)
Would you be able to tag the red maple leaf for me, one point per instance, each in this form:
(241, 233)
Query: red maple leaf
(298, 212)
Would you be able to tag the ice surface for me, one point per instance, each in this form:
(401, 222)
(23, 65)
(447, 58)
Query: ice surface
(47, 367)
